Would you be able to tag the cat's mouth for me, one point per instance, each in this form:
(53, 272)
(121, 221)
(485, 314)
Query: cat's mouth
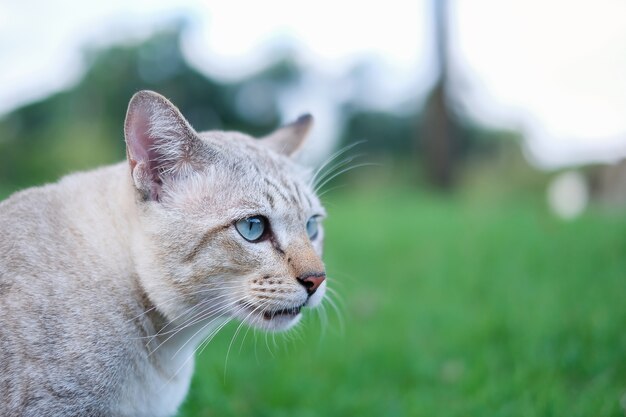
(271, 319)
(285, 312)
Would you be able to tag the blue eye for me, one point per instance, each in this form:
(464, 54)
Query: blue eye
(312, 227)
(253, 229)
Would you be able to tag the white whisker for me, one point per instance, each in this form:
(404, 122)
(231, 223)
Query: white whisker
(337, 311)
(330, 159)
(343, 171)
(336, 167)
(254, 311)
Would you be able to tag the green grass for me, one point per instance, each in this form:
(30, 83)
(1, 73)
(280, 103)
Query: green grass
(451, 308)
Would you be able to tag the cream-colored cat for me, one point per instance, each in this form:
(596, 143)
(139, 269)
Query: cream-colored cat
(110, 279)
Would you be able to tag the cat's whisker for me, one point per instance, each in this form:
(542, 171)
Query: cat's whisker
(323, 319)
(172, 322)
(212, 334)
(254, 311)
(210, 337)
(343, 171)
(268, 345)
(196, 318)
(331, 158)
(326, 191)
(169, 300)
(274, 340)
(336, 167)
(335, 293)
(256, 352)
(337, 312)
(226, 307)
(193, 354)
(338, 283)
(162, 331)
(203, 328)
(291, 337)
(141, 314)
(154, 307)
(212, 299)
(219, 308)
(190, 310)
(244, 338)
(206, 314)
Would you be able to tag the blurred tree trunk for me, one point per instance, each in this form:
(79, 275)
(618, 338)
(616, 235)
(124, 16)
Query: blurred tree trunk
(438, 128)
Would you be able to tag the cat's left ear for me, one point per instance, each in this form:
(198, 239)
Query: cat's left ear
(160, 143)
(288, 139)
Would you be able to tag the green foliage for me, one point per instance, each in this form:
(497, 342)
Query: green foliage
(401, 134)
(451, 309)
(382, 132)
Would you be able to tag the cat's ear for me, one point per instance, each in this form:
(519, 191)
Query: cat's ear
(159, 142)
(288, 139)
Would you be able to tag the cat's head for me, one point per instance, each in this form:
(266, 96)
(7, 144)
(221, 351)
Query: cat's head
(228, 225)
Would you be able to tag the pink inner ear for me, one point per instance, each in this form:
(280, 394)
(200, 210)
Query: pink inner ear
(141, 143)
(141, 152)
(139, 140)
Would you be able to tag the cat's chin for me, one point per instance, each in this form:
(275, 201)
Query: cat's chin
(280, 323)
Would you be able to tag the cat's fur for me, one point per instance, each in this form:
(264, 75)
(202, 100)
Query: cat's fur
(110, 279)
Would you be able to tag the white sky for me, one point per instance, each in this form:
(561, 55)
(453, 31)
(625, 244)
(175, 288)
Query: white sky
(554, 69)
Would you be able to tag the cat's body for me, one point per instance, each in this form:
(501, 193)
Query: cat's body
(70, 290)
(110, 279)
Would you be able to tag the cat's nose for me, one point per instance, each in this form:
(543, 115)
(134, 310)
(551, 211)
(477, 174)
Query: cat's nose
(311, 282)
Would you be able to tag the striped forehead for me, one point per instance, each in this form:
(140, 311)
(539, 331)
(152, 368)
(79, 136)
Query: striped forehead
(279, 193)
(280, 181)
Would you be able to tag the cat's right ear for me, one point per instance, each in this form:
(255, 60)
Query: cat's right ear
(289, 138)
(159, 143)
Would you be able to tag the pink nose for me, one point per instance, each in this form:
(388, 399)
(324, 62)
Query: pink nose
(311, 282)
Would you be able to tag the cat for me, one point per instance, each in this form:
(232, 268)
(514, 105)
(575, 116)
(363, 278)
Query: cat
(110, 279)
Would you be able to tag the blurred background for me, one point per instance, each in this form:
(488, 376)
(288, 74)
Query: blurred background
(476, 239)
